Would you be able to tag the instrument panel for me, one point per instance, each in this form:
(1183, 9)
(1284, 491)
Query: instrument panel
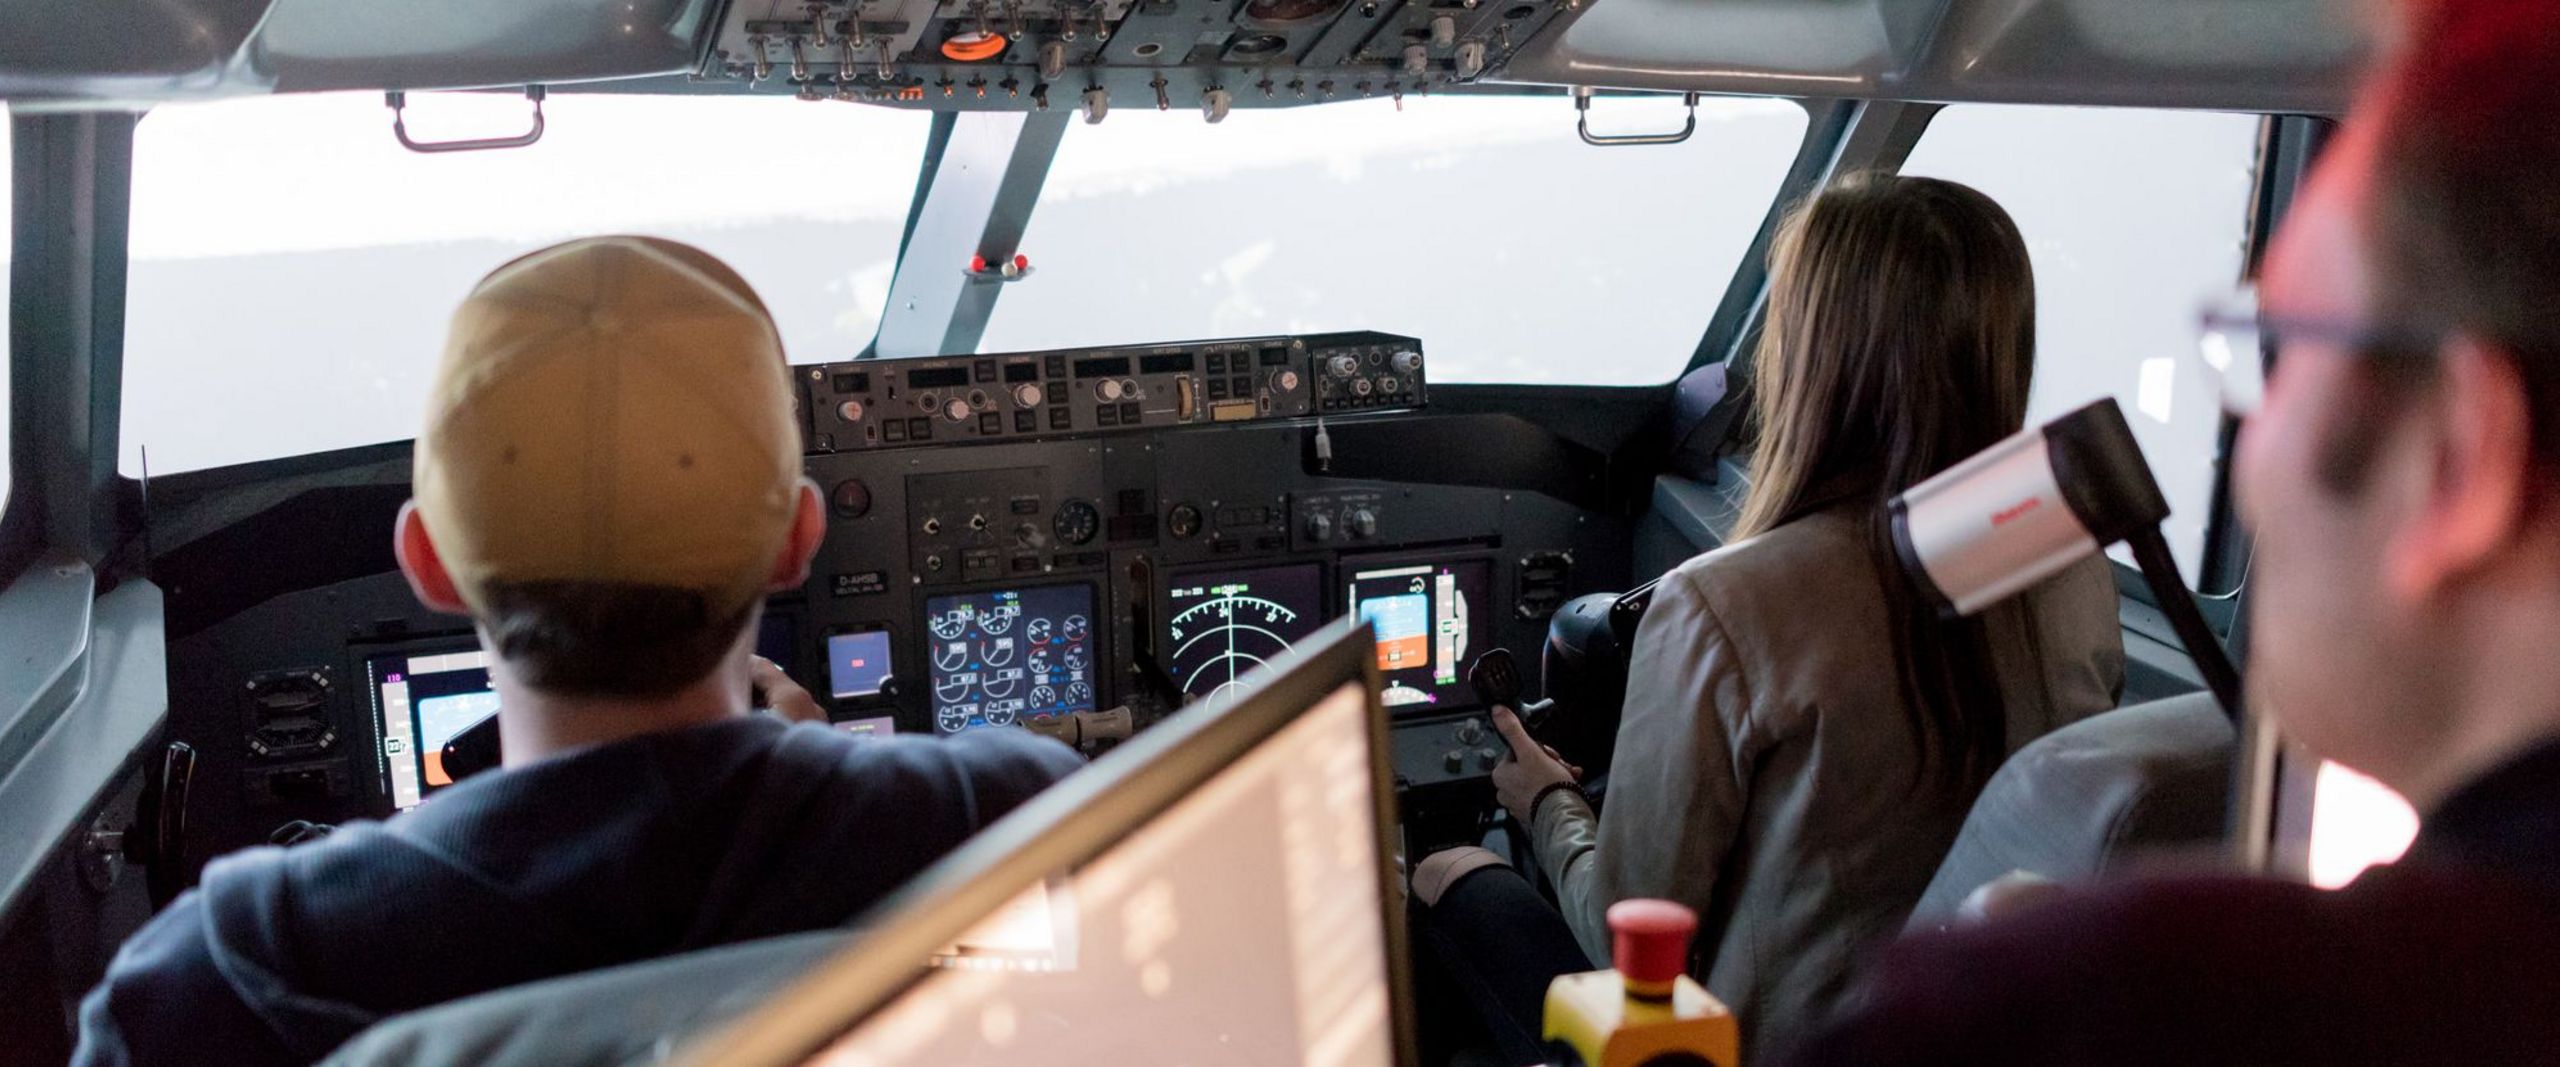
(998, 573)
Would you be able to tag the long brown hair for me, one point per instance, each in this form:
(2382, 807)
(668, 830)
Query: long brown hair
(1899, 338)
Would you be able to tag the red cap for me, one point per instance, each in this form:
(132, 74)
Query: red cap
(1021, 262)
(1649, 939)
(977, 264)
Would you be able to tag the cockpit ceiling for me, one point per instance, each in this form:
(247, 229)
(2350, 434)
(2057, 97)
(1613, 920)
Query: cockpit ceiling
(2262, 55)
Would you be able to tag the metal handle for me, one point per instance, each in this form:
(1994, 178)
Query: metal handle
(399, 102)
(1582, 124)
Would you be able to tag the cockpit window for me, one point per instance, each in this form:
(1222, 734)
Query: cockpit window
(2133, 218)
(1480, 224)
(293, 267)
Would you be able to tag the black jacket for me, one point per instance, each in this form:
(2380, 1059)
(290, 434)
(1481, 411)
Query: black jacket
(609, 855)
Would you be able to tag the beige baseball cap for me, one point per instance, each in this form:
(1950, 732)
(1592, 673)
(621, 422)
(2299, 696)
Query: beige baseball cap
(611, 409)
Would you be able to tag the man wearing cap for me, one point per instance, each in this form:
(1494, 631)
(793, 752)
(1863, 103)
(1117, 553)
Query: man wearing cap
(608, 484)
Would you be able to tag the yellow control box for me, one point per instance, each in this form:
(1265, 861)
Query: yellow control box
(1593, 1014)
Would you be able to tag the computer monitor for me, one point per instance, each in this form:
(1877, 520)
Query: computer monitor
(1222, 625)
(1004, 656)
(1218, 890)
(421, 699)
(1432, 620)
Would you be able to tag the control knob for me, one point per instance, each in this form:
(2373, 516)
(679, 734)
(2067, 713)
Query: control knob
(1107, 390)
(956, 409)
(1362, 522)
(1319, 527)
(1026, 395)
(851, 410)
(1030, 536)
(1342, 366)
(1407, 362)
(1284, 381)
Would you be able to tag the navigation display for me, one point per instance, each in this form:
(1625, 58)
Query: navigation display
(1226, 624)
(420, 702)
(999, 658)
(1428, 619)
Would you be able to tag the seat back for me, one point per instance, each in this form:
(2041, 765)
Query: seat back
(2073, 802)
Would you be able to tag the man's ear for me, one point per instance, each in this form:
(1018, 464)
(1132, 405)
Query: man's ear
(808, 530)
(418, 560)
(2479, 472)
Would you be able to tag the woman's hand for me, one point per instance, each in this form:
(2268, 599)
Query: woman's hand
(1519, 781)
(783, 695)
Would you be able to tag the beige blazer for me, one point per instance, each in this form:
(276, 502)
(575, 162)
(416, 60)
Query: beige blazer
(1765, 772)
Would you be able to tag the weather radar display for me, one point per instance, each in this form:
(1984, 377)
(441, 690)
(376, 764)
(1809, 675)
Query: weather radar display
(1003, 657)
(1225, 624)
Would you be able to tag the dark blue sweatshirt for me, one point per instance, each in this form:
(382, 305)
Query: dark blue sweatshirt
(608, 855)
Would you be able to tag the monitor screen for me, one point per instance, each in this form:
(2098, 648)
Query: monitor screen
(1223, 625)
(1003, 656)
(859, 664)
(1431, 619)
(1243, 923)
(420, 701)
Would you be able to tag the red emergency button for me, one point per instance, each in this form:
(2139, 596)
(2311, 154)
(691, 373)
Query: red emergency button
(1649, 943)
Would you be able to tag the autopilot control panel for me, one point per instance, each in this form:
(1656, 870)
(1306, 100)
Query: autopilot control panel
(1014, 541)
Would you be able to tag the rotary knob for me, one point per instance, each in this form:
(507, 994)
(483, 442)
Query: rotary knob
(1107, 390)
(1342, 366)
(851, 410)
(1284, 381)
(1026, 395)
(1362, 522)
(956, 409)
(1319, 527)
(1406, 362)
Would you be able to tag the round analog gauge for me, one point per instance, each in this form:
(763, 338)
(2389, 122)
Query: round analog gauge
(952, 720)
(1075, 628)
(1039, 663)
(954, 689)
(1043, 697)
(1216, 642)
(1076, 659)
(996, 653)
(1078, 693)
(950, 624)
(1002, 713)
(1076, 522)
(998, 620)
(1001, 685)
(949, 656)
(1040, 631)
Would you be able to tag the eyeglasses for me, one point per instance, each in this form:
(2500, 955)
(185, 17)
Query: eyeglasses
(2236, 341)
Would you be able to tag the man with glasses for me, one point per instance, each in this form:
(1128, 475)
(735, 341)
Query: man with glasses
(2403, 483)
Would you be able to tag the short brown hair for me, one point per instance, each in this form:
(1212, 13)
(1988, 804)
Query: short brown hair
(2465, 228)
(608, 639)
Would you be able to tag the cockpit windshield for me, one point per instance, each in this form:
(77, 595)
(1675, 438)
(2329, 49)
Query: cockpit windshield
(293, 266)
(1480, 222)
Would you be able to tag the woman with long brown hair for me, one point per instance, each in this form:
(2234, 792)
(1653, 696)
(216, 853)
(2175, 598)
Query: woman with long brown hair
(1802, 735)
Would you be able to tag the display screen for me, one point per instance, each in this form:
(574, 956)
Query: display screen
(1134, 956)
(859, 664)
(1430, 619)
(876, 726)
(1002, 657)
(1223, 625)
(421, 701)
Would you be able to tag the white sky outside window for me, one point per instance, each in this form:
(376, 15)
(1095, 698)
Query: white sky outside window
(2134, 220)
(293, 268)
(1481, 225)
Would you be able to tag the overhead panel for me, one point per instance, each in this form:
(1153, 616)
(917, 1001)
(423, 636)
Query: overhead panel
(1097, 55)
